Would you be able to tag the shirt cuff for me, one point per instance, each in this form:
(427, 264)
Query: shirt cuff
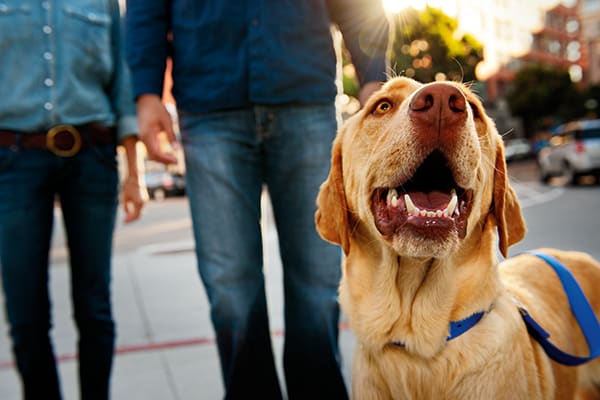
(127, 126)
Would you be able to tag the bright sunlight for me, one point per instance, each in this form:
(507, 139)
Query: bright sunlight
(396, 6)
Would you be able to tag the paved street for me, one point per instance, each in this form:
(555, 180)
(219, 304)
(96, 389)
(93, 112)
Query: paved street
(165, 343)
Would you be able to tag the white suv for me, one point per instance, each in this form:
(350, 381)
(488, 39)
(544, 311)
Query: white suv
(573, 151)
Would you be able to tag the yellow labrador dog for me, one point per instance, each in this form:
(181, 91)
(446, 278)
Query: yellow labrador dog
(418, 197)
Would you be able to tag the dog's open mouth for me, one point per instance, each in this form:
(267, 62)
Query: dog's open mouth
(430, 203)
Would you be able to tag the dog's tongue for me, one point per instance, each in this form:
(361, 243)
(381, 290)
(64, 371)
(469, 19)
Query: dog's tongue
(430, 201)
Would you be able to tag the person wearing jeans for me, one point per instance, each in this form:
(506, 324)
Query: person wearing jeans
(255, 86)
(61, 119)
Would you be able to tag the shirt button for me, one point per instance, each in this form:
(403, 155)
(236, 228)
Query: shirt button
(48, 82)
(48, 106)
(47, 29)
(48, 56)
(254, 21)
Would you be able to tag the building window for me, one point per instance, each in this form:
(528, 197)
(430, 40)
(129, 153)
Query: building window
(591, 5)
(572, 26)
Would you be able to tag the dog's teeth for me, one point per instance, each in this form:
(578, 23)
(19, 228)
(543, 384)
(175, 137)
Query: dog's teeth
(452, 205)
(410, 206)
(392, 198)
(413, 210)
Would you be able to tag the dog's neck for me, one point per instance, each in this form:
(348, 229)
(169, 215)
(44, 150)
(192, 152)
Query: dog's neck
(413, 300)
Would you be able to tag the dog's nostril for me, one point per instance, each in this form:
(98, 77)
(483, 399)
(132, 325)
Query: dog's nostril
(422, 103)
(457, 103)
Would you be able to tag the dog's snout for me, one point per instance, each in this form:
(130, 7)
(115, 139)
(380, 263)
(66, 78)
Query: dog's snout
(440, 106)
(438, 99)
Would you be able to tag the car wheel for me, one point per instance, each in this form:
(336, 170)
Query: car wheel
(569, 174)
(545, 178)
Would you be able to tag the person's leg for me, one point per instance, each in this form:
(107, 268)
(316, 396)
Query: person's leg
(26, 216)
(223, 172)
(89, 199)
(298, 151)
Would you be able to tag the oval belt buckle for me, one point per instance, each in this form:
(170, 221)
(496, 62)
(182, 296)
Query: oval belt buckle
(63, 129)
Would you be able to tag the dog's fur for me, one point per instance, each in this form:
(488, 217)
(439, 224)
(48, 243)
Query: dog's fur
(406, 278)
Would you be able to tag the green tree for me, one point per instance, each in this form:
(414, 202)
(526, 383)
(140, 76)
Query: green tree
(540, 93)
(428, 46)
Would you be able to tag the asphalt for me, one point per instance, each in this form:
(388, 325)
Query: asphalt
(165, 344)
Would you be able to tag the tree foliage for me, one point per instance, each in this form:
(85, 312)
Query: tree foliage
(541, 93)
(428, 46)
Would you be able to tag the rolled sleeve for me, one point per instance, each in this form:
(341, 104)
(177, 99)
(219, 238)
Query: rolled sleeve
(127, 126)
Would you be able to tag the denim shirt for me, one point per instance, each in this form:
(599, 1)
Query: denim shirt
(232, 54)
(61, 62)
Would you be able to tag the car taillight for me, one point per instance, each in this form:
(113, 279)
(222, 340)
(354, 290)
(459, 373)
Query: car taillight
(168, 181)
(579, 146)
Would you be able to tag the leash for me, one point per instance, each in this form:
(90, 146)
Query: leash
(580, 306)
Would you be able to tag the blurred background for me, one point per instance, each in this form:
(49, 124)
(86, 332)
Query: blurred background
(535, 64)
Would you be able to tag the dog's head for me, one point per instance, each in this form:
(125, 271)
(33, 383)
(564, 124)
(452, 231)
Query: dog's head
(422, 168)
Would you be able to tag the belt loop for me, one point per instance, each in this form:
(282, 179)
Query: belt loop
(85, 135)
(18, 140)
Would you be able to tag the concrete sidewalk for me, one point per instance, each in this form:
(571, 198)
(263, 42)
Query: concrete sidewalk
(165, 343)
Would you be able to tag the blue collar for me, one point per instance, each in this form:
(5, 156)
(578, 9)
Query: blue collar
(457, 328)
(580, 307)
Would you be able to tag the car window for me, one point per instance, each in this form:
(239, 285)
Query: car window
(589, 134)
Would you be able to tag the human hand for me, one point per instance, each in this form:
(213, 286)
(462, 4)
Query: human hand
(133, 198)
(367, 90)
(154, 120)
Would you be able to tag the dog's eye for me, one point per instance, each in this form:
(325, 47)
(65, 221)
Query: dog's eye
(382, 107)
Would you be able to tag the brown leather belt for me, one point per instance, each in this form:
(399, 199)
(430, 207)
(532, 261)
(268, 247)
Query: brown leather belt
(62, 140)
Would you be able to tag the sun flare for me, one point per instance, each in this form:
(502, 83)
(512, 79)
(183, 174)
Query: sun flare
(396, 6)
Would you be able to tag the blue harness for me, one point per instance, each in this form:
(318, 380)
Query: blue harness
(579, 305)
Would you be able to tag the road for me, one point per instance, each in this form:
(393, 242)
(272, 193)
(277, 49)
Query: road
(557, 216)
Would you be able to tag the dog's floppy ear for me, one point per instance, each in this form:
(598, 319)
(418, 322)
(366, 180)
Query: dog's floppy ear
(331, 217)
(511, 225)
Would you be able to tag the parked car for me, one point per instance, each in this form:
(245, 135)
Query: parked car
(517, 149)
(573, 151)
(162, 184)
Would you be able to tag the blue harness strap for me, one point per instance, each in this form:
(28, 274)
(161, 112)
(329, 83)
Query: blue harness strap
(580, 307)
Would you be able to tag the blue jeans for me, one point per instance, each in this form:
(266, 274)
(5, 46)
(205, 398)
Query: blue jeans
(87, 187)
(229, 157)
